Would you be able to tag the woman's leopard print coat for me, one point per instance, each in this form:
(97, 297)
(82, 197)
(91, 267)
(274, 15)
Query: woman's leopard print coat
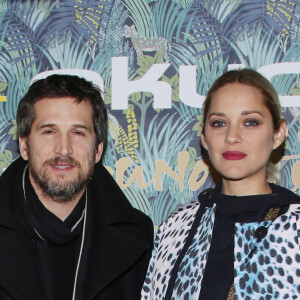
(267, 268)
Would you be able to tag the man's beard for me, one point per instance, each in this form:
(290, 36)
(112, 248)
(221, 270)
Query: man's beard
(59, 189)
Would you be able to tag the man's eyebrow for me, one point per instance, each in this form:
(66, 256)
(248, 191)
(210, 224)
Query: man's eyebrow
(47, 125)
(83, 126)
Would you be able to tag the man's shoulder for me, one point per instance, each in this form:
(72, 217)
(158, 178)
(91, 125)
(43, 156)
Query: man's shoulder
(142, 216)
(145, 223)
(10, 186)
(137, 224)
(11, 172)
(112, 205)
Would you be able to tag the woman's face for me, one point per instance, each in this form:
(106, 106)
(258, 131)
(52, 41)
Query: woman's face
(239, 134)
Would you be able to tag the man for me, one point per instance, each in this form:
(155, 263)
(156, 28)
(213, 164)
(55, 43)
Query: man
(66, 229)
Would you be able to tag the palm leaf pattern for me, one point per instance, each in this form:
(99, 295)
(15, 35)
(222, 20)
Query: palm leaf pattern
(40, 35)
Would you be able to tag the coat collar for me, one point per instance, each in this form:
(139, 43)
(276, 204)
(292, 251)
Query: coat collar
(19, 274)
(281, 195)
(120, 235)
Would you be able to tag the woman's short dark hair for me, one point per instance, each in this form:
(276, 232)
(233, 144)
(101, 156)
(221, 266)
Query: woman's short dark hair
(60, 86)
(251, 78)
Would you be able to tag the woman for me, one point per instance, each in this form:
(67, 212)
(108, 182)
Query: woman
(239, 241)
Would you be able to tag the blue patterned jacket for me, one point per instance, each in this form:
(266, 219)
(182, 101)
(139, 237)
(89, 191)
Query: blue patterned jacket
(267, 268)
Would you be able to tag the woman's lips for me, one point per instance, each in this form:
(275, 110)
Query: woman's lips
(234, 155)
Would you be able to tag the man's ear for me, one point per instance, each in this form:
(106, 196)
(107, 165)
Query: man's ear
(23, 147)
(203, 139)
(280, 135)
(98, 152)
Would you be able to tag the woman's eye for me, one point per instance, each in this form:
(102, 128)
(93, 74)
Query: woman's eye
(218, 123)
(252, 123)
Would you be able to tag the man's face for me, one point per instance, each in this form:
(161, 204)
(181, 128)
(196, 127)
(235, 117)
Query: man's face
(61, 149)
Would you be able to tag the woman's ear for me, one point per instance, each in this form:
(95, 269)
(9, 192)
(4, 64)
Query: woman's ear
(203, 139)
(280, 134)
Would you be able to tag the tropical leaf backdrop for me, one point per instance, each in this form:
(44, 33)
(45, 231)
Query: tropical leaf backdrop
(153, 153)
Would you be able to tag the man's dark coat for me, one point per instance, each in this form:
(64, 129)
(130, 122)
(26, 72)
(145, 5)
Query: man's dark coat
(119, 249)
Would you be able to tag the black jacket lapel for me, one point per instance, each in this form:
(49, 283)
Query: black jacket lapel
(121, 235)
(111, 254)
(18, 267)
(19, 274)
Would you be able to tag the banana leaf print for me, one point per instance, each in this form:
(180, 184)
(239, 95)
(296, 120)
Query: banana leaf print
(153, 153)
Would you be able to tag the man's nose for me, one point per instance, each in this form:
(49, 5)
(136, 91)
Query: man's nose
(63, 145)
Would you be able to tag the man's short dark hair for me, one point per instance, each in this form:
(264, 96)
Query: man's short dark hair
(60, 86)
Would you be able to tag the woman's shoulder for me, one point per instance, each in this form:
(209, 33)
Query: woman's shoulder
(183, 213)
(294, 209)
(284, 194)
(174, 230)
(185, 208)
(182, 217)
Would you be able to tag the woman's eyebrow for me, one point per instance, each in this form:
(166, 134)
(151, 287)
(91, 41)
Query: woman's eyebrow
(249, 112)
(218, 114)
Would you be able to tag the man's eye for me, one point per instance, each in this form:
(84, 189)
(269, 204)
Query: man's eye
(218, 123)
(79, 133)
(252, 122)
(48, 131)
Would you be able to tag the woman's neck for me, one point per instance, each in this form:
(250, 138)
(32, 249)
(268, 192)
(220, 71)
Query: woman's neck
(245, 187)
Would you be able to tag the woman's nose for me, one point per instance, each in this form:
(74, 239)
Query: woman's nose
(233, 135)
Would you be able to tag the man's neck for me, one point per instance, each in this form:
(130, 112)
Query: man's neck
(61, 209)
